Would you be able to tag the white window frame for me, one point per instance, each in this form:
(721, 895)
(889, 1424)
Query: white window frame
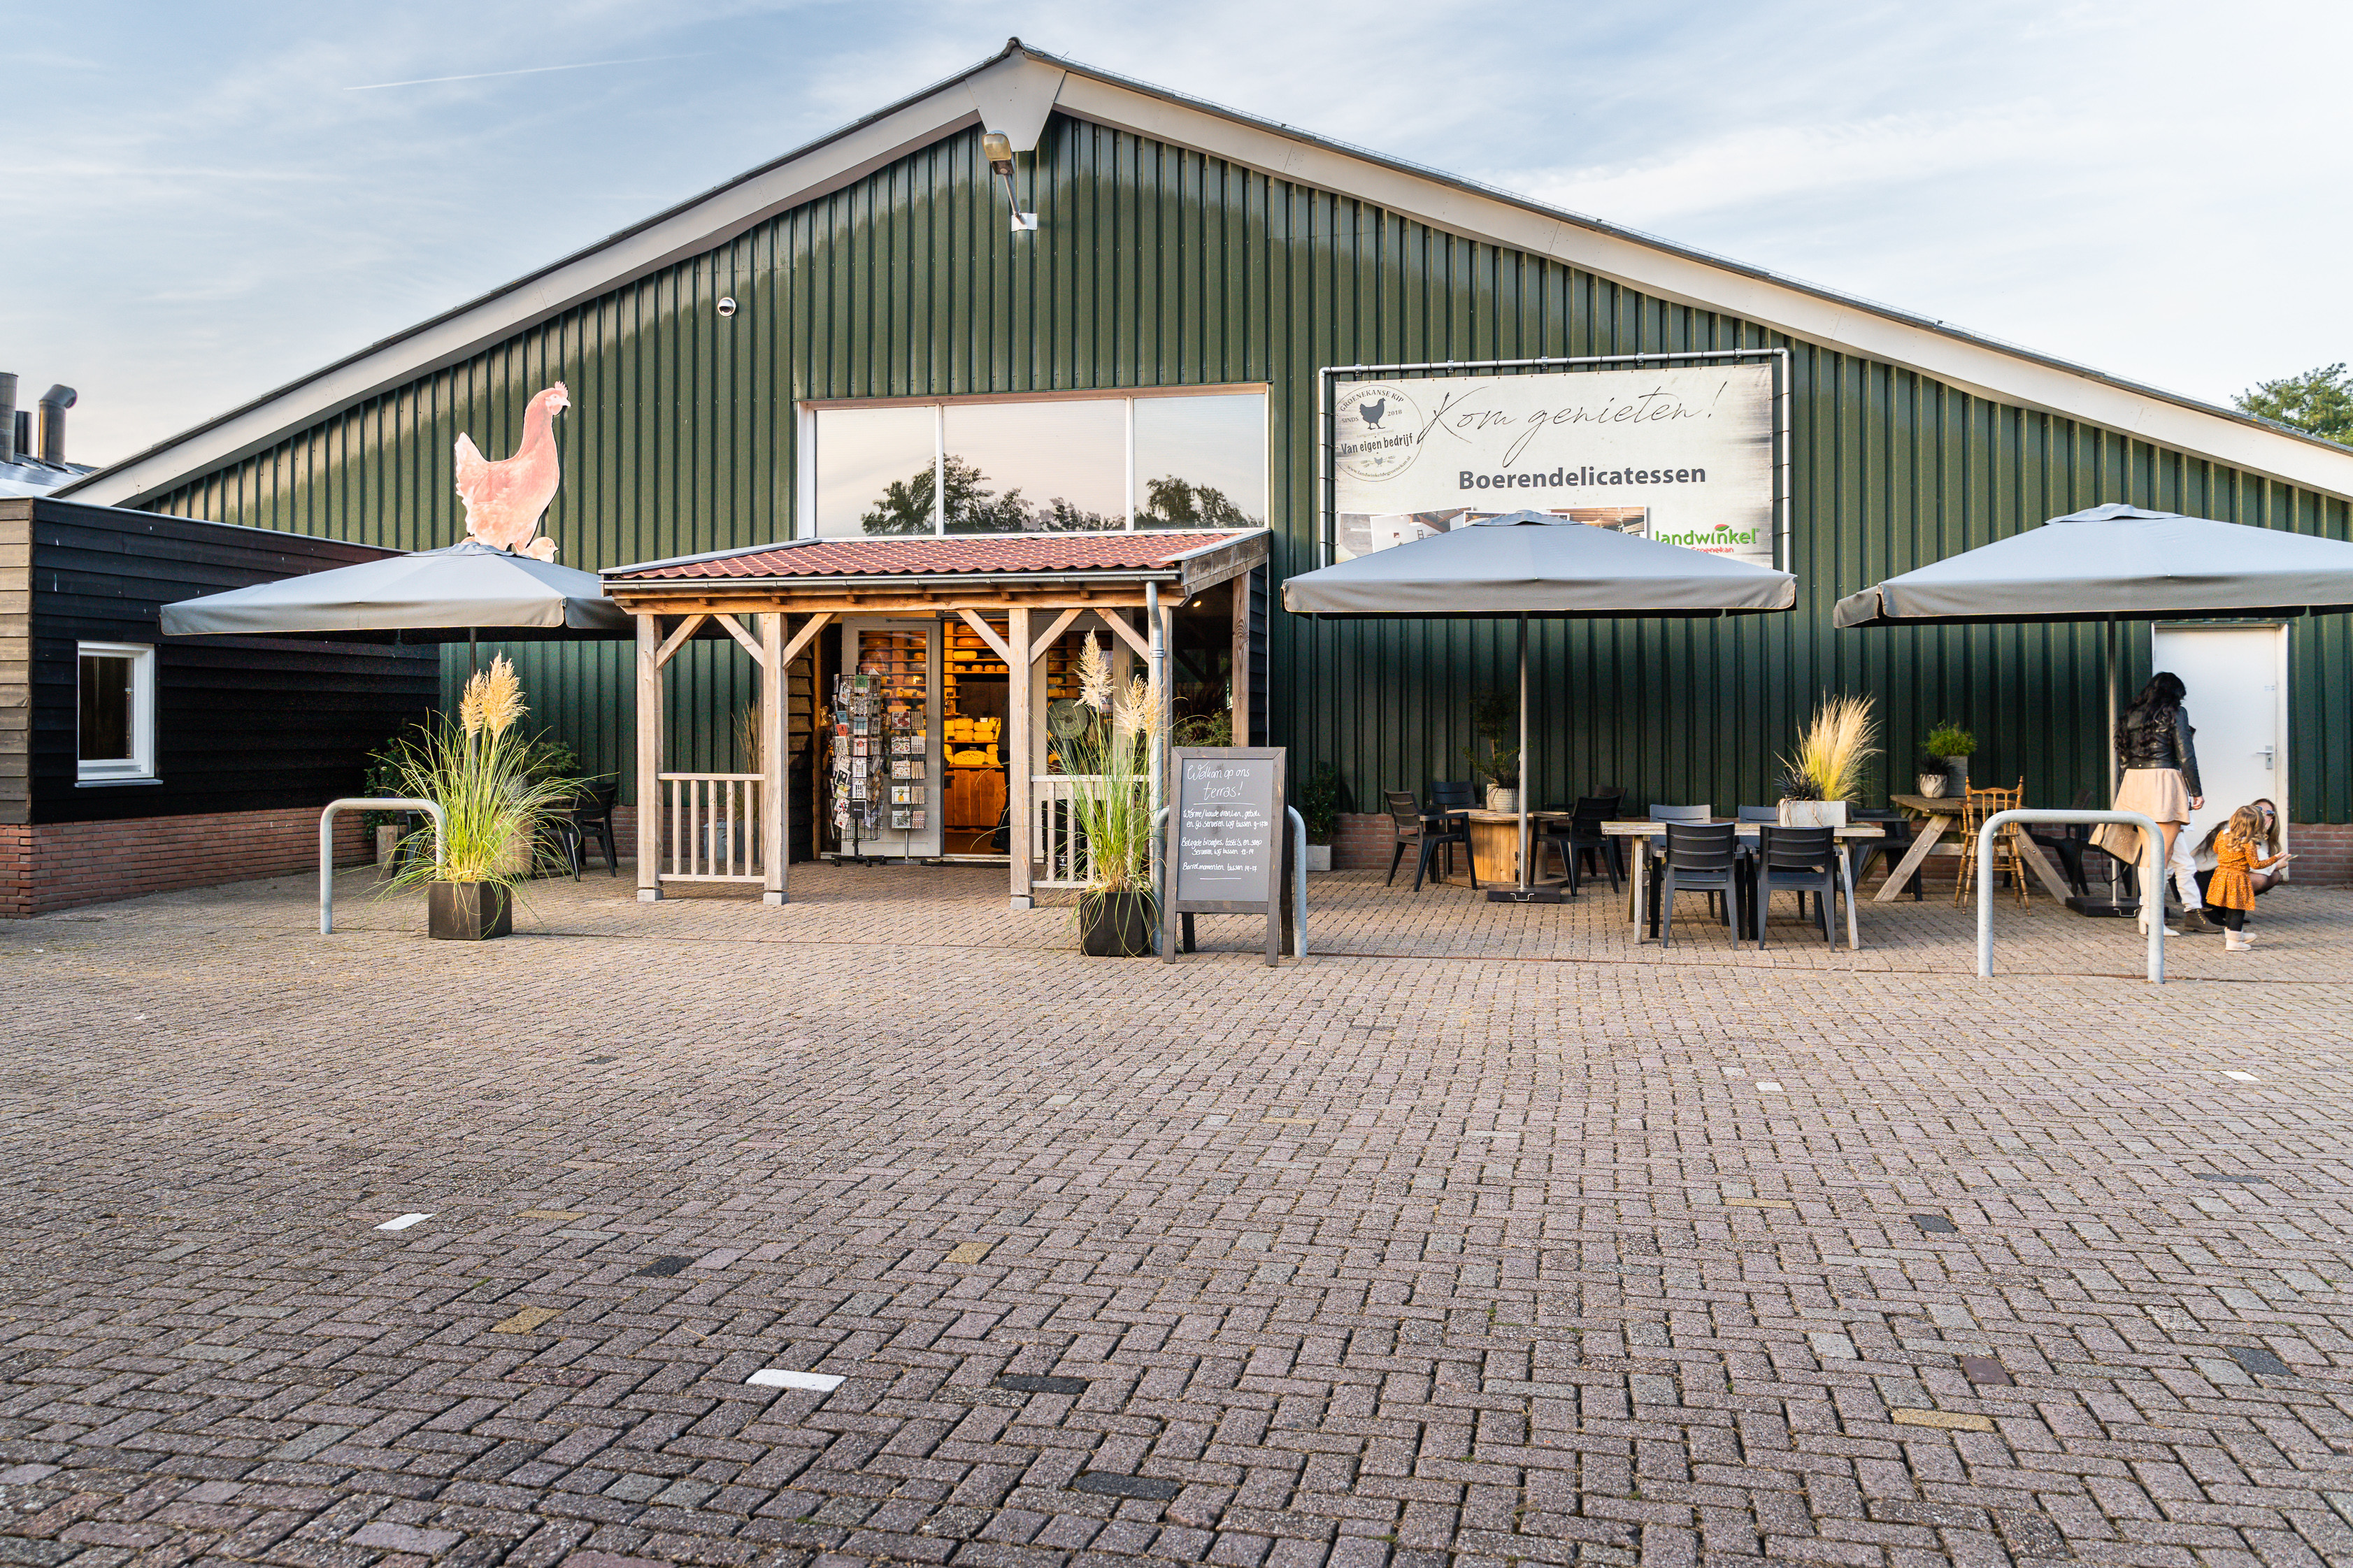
(805, 489)
(140, 766)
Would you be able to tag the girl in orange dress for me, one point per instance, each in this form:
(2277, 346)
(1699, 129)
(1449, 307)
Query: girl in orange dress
(2231, 892)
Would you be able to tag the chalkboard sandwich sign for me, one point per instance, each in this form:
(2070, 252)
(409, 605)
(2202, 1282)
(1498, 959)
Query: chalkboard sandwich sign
(1228, 852)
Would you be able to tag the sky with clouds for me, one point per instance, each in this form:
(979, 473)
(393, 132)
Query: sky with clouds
(207, 200)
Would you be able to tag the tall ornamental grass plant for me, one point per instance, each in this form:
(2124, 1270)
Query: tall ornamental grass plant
(477, 769)
(1111, 786)
(1835, 753)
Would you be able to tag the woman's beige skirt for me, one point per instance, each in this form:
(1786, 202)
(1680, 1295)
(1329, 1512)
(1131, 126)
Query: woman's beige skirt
(2157, 794)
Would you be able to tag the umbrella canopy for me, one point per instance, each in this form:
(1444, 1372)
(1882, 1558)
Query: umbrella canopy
(467, 587)
(1537, 564)
(2118, 563)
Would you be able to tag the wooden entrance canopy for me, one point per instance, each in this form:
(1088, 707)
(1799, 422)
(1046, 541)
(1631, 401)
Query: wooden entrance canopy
(794, 590)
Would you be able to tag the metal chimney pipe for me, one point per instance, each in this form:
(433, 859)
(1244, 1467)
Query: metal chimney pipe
(54, 403)
(7, 417)
(22, 436)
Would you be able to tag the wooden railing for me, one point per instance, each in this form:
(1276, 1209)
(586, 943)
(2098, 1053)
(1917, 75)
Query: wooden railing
(713, 823)
(1055, 842)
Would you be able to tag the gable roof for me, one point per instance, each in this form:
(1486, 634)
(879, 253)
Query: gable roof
(1018, 89)
(917, 555)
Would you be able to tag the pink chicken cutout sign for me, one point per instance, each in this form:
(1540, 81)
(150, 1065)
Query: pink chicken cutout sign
(505, 499)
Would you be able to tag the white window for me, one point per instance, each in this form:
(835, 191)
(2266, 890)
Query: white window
(1190, 459)
(115, 730)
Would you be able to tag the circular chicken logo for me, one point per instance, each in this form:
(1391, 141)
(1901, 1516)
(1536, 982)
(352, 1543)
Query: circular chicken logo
(1377, 433)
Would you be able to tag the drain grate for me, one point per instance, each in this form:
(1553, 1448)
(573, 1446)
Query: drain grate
(1020, 1382)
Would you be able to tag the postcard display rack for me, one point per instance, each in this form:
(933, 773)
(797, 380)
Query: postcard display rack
(881, 756)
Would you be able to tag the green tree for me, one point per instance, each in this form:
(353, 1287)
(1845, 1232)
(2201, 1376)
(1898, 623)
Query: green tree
(1172, 502)
(906, 505)
(2318, 403)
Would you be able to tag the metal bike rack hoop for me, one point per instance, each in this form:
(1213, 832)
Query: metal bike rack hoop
(2152, 844)
(327, 844)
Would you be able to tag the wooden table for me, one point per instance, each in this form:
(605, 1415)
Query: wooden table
(1649, 834)
(1941, 814)
(1495, 844)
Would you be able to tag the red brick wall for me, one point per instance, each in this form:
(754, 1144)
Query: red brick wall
(2323, 853)
(1363, 841)
(62, 865)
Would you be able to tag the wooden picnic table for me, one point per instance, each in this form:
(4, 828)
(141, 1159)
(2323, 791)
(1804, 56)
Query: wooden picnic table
(1649, 834)
(1941, 814)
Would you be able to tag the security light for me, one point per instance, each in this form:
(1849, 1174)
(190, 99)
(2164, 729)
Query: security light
(998, 148)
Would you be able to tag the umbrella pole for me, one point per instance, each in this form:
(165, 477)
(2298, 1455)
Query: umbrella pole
(2108, 681)
(1525, 780)
(473, 653)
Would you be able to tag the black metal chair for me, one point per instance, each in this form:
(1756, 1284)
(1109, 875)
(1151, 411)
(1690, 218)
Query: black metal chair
(1700, 858)
(1891, 847)
(592, 818)
(1581, 836)
(1759, 813)
(1431, 832)
(1798, 860)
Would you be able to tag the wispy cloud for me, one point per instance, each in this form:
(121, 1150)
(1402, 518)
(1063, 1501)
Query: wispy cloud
(523, 70)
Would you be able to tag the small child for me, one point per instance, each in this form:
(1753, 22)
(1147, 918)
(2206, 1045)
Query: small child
(2230, 892)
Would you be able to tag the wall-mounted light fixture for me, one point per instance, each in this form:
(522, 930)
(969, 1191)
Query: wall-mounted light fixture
(998, 148)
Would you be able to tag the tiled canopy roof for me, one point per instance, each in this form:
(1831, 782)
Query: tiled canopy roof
(982, 554)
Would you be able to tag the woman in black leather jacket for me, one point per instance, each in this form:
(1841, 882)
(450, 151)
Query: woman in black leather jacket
(2153, 742)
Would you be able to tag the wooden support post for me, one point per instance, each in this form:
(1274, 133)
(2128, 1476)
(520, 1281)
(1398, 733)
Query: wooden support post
(1020, 683)
(775, 767)
(649, 758)
(1240, 587)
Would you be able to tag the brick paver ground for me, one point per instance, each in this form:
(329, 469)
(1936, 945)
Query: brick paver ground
(1486, 1237)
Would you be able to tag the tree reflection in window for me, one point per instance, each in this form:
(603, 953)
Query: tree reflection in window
(1172, 502)
(905, 507)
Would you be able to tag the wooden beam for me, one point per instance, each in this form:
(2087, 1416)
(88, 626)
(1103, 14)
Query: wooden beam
(775, 767)
(1020, 692)
(807, 634)
(1061, 624)
(751, 644)
(836, 602)
(672, 644)
(1000, 646)
(1131, 636)
(650, 756)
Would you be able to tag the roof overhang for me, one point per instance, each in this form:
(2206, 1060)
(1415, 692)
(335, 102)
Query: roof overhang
(1018, 89)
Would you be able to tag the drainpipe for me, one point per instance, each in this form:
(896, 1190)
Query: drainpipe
(7, 417)
(54, 403)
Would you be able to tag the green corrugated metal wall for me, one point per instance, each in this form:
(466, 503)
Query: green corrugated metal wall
(1157, 265)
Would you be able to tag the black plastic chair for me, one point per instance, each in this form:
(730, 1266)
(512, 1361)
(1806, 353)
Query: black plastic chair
(1694, 814)
(2068, 840)
(1798, 860)
(1759, 813)
(1449, 800)
(1581, 835)
(1892, 847)
(592, 817)
(1700, 858)
(1431, 832)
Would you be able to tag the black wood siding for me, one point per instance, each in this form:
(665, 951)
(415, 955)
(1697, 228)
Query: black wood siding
(241, 723)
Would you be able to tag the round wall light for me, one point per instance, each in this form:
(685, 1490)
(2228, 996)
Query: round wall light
(727, 306)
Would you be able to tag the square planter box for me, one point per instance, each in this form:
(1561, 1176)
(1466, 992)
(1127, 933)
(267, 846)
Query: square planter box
(1814, 814)
(1319, 856)
(468, 912)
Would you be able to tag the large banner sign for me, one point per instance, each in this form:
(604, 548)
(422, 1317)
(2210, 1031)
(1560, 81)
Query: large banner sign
(1682, 455)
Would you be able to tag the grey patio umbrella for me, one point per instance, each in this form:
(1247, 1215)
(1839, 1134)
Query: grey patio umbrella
(431, 596)
(2116, 563)
(1537, 564)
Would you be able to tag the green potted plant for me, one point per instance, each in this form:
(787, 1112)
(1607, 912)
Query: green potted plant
(476, 768)
(1930, 780)
(1951, 746)
(1106, 750)
(1318, 795)
(1827, 775)
(1494, 720)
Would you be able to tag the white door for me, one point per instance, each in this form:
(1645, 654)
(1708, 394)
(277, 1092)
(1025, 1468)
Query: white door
(2237, 701)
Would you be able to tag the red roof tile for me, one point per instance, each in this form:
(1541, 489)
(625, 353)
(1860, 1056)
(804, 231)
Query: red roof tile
(981, 554)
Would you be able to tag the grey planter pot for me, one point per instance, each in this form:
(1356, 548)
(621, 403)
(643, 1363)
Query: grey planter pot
(1956, 776)
(1319, 856)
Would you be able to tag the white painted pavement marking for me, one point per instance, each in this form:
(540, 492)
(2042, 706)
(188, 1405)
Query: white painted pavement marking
(2242, 1077)
(777, 1377)
(405, 1221)
(1768, 1087)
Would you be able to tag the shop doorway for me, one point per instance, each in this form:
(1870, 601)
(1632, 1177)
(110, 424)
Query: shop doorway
(2237, 680)
(975, 700)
